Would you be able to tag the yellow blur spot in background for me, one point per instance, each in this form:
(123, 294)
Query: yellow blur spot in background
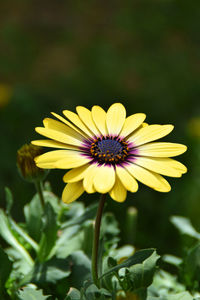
(5, 94)
(194, 127)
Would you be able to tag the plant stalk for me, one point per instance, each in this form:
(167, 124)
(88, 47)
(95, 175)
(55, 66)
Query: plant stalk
(38, 185)
(96, 240)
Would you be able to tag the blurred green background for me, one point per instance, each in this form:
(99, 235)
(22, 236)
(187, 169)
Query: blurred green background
(55, 55)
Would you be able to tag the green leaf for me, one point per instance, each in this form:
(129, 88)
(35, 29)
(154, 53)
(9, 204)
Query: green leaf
(141, 275)
(88, 231)
(165, 284)
(80, 268)
(179, 296)
(70, 240)
(191, 267)
(136, 258)
(33, 215)
(92, 292)
(5, 269)
(51, 198)
(122, 253)
(47, 186)
(9, 237)
(184, 226)
(49, 232)
(73, 210)
(87, 214)
(73, 294)
(31, 294)
(20, 265)
(111, 262)
(23, 234)
(48, 272)
(9, 200)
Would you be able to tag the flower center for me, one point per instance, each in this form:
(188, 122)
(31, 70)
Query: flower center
(109, 149)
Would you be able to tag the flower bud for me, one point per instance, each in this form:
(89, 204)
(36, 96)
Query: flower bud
(130, 225)
(26, 164)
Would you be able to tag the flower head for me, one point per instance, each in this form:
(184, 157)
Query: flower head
(26, 164)
(107, 152)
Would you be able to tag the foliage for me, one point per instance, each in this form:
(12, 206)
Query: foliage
(54, 54)
(48, 256)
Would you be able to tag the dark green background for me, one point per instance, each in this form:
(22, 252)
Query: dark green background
(55, 55)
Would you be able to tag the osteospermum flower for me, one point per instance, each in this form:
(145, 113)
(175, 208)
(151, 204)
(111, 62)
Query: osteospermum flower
(107, 152)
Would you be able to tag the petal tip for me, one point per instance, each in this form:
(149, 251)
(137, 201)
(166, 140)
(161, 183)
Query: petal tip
(80, 108)
(185, 170)
(170, 127)
(185, 148)
(118, 105)
(38, 129)
(143, 115)
(36, 159)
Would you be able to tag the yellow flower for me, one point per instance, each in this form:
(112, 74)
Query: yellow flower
(108, 153)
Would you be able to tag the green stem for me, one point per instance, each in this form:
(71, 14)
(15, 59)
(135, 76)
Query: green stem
(96, 240)
(38, 185)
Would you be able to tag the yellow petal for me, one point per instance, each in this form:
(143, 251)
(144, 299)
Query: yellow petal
(132, 123)
(86, 116)
(58, 136)
(165, 187)
(151, 179)
(61, 159)
(159, 165)
(127, 180)
(118, 192)
(150, 133)
(53, 144)
(72, 191)
(177, 165)
(72, 162)
(74, 118)
(104, 178)
(52, 156)
(161, 149)
(88, 179)
(69, 124)
(60, 127)
(48, 159)
(115, 118)
(99, 118)
(76, 174)
(46, 165)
